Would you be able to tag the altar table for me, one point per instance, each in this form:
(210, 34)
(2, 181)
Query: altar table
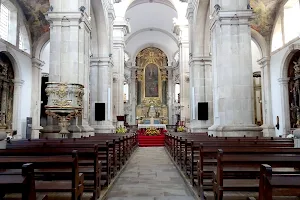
(140, 126)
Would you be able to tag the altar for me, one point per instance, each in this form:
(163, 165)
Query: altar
(158, 126)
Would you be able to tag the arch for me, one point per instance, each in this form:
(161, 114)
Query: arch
(261, 42)
(102, 27)
(283, 80)
(156, 45)
(287, 59)
(16, 125)
(151, 29)
(200, 34)
(38, 46)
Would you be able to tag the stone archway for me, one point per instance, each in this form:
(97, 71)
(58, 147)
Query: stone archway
(6, 92)
(294, 90)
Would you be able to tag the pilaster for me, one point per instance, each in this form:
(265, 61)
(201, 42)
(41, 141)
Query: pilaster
(232, 67)
(36, 97)
(285, 125)
(120, 30)
(201, 91)
(18, 84)
(100, 81)
(268, 127)
(182, 31)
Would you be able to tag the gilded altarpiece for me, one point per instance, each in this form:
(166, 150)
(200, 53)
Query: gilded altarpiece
(152, 85)
(6, 92)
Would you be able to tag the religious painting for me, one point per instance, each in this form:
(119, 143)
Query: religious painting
(151, 81)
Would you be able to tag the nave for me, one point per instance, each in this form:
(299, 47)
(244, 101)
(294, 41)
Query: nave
(150, 175)
(114, 167)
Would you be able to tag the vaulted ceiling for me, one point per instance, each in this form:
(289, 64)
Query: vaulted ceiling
(34, 11)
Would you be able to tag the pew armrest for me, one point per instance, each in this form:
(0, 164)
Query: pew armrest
(45, 197)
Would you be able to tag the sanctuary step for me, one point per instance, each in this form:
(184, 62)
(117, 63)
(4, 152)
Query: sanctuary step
(151, 141)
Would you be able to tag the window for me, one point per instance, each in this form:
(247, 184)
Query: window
(126, 93)
(24, 43)
(4, 21)
(287, 25)
(8, 22)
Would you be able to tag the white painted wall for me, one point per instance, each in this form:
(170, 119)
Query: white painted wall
(277, 62)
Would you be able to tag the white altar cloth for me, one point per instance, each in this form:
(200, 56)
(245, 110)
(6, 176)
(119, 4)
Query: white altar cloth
(152, 125)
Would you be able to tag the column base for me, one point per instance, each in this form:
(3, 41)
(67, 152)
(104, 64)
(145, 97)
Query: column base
(35, 132)
(268, 130)
(76, 131)
(197, 126)
(105, 127)
(235, 131)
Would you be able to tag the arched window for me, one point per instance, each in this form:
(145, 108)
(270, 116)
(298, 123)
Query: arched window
(286, 28)
(24, 44)
(8, 22)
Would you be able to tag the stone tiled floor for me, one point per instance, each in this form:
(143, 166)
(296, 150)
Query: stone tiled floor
(150, 175)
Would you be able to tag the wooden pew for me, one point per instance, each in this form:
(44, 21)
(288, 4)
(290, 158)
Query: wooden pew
(277, 184)
(48, 172)
(23, 183)
(87, 158)
(240, 172)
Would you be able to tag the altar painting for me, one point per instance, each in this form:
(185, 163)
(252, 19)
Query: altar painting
(151, 81)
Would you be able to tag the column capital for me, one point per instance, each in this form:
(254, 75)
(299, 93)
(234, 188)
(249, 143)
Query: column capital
(201, 60)
(100, 62)
(18, 82)
(37, 63)
(231, 17)
(283, 81)
(121, 24)
(190, 12)
(264, 61)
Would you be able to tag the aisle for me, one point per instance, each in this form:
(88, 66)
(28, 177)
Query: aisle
(150, 175)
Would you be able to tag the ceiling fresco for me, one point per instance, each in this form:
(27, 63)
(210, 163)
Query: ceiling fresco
(265, 14)
(34, 11)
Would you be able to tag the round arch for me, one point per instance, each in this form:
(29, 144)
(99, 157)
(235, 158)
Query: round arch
(39, 45)
(16, 125)
(159, 46)
(284, 80)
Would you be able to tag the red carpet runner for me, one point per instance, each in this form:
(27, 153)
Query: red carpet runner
(151, 141)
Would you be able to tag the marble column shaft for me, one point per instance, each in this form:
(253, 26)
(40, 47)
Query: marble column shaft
(120, 30)
(171, 95)
(233, 81)
(101, 85)
(132, 96)
(16, 125)
(283, 122)
(268, 127)
(201, 83)
(36, 97)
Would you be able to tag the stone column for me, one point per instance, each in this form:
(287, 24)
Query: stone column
(231, 60)
(120, 30)
(170, 96)
(70, 29)
(268, 127)
(101, 93)
(201, 91)
(132, 95)
(183, 33)
(285, 125)
(4, 102)
(36, 97)
(16, 125)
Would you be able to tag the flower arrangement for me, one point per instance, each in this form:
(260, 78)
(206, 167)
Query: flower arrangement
(180, 128)
(152, 131)
(121, 130)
